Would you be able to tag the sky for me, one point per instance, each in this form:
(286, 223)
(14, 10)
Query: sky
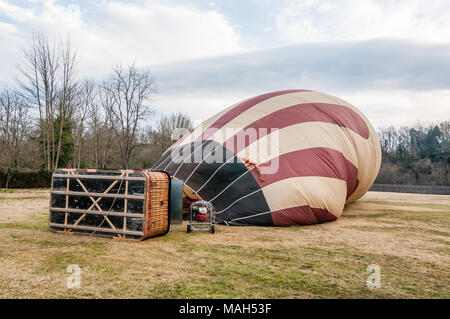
(389, 58)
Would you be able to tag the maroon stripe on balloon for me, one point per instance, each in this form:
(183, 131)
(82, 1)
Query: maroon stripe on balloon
(301, 215)
(318, 161)
(238, 109)
(299, 113)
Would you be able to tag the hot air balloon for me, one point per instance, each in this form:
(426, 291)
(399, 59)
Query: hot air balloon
(284, 158)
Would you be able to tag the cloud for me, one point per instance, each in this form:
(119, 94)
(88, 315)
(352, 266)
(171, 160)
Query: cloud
(392, 82)
(401, 107)
(322, 20)
(377, 64)
(202, 64)
(110, 32)
(198, 105)
(11, 41)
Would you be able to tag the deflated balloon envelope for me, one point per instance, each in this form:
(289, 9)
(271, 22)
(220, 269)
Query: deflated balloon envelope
(293, 157)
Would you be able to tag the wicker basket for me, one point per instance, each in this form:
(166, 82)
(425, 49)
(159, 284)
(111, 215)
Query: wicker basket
(123, 204)
(157, 204)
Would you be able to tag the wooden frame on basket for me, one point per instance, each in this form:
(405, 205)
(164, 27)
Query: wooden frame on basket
(96, 198)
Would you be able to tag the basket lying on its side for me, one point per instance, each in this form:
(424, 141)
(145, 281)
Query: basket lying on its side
(157, 204)
(113, 203)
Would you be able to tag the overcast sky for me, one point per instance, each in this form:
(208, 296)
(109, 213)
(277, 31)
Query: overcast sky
(390, 58)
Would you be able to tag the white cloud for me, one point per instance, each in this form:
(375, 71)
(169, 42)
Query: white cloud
(19, 14)
(392, 83)
(112, 32)
(199, 105)
(382, 107)
(11, 42)
(319, 20)
(401, 107)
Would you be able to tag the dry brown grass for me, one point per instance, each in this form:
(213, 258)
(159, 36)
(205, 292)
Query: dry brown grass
(407, 235)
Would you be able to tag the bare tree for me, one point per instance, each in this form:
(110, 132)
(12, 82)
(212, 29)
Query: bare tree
(99, 133)
(48, 85)
(87, 101)
(167, 125)
(126, 97)
(14, 127)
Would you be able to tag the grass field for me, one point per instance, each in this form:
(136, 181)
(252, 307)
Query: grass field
(407, 235)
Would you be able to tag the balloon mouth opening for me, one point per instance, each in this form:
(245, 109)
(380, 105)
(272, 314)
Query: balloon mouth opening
(189, 196)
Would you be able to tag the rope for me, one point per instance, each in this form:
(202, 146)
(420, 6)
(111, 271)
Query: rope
(203, 158)
(247, 164)
(212, 175)
(223, 190)
(188, 156)
(163, 161)
(245, 217)
(237, 200)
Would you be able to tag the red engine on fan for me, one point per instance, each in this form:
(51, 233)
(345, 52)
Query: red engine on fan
(201, 218)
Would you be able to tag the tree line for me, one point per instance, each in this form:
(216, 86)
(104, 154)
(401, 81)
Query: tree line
(51, 117)
(415, 155)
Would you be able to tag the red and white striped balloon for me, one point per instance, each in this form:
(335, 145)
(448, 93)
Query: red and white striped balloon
(324, 153)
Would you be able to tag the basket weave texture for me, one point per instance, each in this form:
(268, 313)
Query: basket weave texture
(157, 204)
